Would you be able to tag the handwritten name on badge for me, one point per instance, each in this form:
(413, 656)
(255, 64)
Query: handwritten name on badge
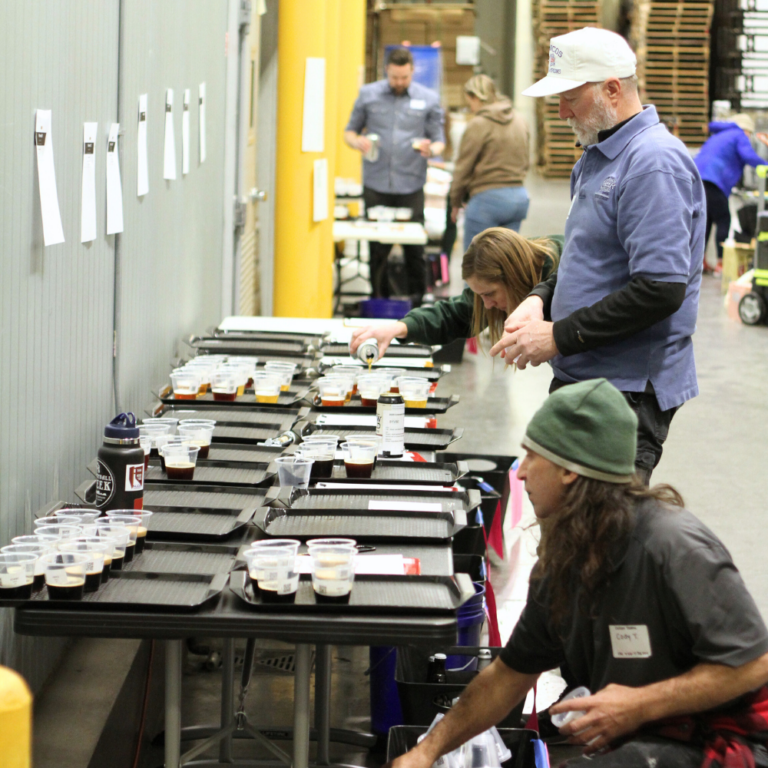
(630, 641)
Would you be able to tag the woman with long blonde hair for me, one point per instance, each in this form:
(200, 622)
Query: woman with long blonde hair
(500, 268)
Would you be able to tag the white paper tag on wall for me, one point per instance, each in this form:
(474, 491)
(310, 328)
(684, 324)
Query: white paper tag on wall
(630, 641)
(169, 153)
(143, 170)
(114, 186)
(53, 232)
(88, 195)
(201, 117)
(185, 135)
(313, 118)
(320, 190)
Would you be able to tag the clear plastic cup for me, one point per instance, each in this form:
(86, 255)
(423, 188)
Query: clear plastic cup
(109, 551)
(186, 384)
(119, 535)
(54, 519)
(241, 374)
(47, 540)
(369, 390)
(96, 553)
(392, 374)
(199, 435)
(286, 372)
(84, 516)
(333, 572)
(415, 391)
(333, 392)
(332, 542)
(320, 439)
(65, 575)
(61, 531)
(266, 387)
(371, 438)
(224, 386)
(167, 421)
(293, 471)
(180, 460)
(274, 572)
(360, 459)
(565, 717)
(33, 549)
(131, 523)
(270, 543)
(146, 445)
(322, 454)
(141, 532)
(17, 574)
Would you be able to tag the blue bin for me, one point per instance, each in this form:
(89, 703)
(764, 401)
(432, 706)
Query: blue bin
(470, 617)
(386, 711)
(392, 309)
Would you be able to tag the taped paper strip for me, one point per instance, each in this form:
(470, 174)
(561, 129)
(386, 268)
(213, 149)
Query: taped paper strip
(185, 135)
(53, 232)
(404, 506)
(114, 187)
(169, 154)
(143, 178)
(88, 196)
(201, 117)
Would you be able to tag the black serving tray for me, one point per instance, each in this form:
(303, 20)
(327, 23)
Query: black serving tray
(422, 595)
(415, 439)
(338, 349)
(247, 413)
(286, 399)
(361, 525)
(212, 472)
(142, 591)
(388, 472)
(434, 405)
(316, 339)
(189, 512)
(169, 557)
(230, 344)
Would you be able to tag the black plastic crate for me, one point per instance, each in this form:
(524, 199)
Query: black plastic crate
(421, 701)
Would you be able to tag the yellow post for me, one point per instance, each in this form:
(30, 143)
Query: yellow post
(303, 248)
(15, 721)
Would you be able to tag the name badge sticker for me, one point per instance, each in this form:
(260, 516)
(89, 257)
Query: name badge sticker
(418, 104)
(630, 641)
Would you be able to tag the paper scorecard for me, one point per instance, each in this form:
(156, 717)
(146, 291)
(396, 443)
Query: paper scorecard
(169, 152)
(88, 195)
(142, 186)
(185, 135)
(114, 186)
(313, 118)
(53, 232)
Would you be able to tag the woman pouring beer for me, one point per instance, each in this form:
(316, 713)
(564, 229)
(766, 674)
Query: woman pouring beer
(500, 267)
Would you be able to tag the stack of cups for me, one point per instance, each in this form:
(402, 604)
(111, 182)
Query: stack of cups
(272, 568)
(293, 471)
(119, 537)
(129, 524)
(333, 569)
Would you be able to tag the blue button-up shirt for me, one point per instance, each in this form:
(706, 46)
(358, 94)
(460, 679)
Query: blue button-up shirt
(398, 120)
(638, 209)
(725, 153)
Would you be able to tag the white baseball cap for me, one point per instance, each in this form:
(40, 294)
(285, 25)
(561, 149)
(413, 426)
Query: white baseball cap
(587, 55)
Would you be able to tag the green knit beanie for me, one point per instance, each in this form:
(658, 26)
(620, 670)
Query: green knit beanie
(587, 428)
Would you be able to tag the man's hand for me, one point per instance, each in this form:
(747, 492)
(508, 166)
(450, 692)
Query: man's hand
(763, 138)
(533, 343)
(413, 759)
(614, 711)
(455, 214)
(363, 144)
(384, 335)
(425, 148)
(528, 310)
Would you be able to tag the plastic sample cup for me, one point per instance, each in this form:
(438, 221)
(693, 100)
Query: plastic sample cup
(333, 573)
(180, 460)
(83, 516)
(32, 549)
(65, 575)
(199, 435)
(119, 536)
(160, 421)
(266, 387)
(293, 471)
(414, 391)
(141, 531)
(131, 523)
(332, 542)
(54, 519)
(360, 459)
(286, 371)
(273, 571)
(333, 392)
(320, 439)
(565, 717)
(224, 386)
(108, 545)
(46, 540)
(322, 453)
(241, 374)
(186, 385)
(17, 574)
(95, 550)
(369, 390)
(61, 531)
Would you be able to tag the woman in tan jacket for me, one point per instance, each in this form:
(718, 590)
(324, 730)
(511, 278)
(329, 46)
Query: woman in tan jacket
(492, 163)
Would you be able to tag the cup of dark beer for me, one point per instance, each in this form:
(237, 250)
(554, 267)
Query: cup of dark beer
(199, 435)
(65, 575)
(17, 574)
(33, 549)
(131, 523)
(333, 572)
(360, 458)
(180, 460)
(141, 531)
(96, 553)
(119, 537)
(273, 570)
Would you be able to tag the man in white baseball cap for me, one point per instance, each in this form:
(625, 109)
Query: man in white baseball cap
(623, 302)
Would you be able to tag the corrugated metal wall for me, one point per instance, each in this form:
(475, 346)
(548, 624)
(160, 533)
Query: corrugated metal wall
(56, 303)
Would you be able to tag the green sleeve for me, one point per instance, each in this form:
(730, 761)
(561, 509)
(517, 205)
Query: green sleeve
(442, 322)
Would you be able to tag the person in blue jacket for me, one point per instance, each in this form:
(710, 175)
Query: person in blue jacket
(721, 162)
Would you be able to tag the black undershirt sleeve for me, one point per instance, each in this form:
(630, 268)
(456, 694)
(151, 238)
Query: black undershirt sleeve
(639, 305)
(545, 290)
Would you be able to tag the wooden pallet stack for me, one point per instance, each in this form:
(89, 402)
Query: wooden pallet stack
(672, 42)
(557, 151)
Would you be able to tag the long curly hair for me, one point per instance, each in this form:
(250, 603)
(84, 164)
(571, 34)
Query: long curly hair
(499, 255)
(594, 519)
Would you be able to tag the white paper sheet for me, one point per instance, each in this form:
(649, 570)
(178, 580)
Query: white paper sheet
(143, 170)
(377, 565)
(53, 232)
(114, 186)
(169, 153)
(330, 485)
(201, 117)
(468, 50)
(405, 506)
(185, 135)
(320, 190)
(313, 122)
(88, 196)
(362, 420)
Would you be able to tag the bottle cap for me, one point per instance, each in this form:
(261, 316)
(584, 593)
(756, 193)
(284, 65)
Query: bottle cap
(122, 427)
(440, 657)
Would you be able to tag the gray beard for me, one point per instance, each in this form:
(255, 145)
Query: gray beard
(601, 118)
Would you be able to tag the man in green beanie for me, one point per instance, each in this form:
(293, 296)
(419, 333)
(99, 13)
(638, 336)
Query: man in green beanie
(635, 597)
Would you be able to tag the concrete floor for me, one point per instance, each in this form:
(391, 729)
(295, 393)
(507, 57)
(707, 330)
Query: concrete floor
(716, 455)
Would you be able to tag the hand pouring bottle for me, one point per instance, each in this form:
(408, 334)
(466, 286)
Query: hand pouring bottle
(120, 478)
(390, 424)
